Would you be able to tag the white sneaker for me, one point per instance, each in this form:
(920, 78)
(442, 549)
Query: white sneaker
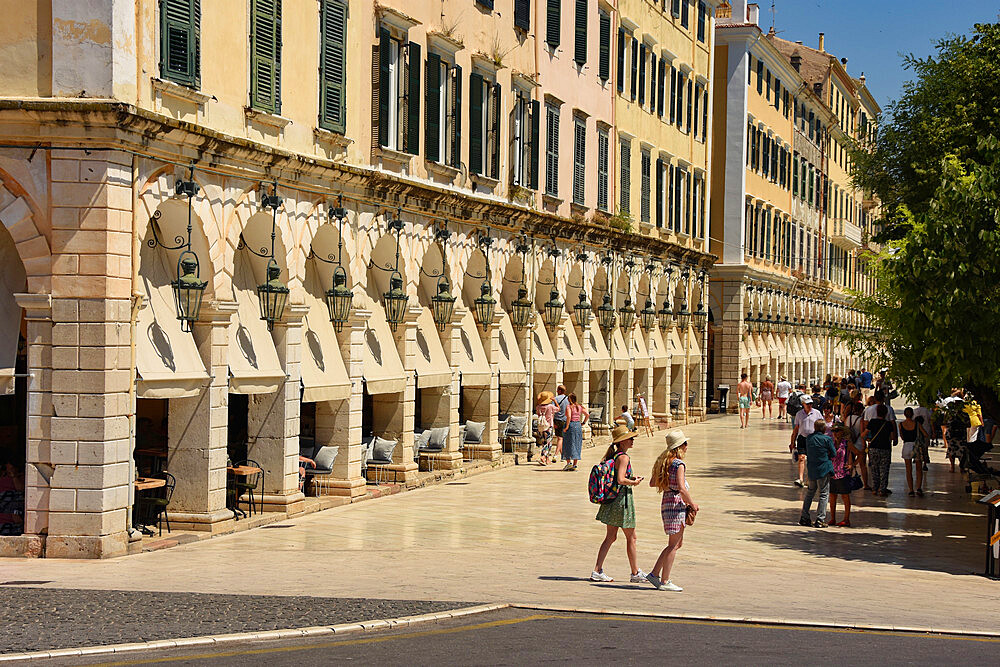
(568, 466)
(599, 576)
(670, 586)
(639, 578)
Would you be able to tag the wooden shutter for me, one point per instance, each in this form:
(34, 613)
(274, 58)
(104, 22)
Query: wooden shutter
(476, 123)
(265, 55)
(602, 171)
(652, 82)
(644, 186)
(432, 109)
(180, 41)
(704, 114)
(659, 192)
(533, 148)
(333, 35)
(522, 14)
(642, 74)
(621, 60)
(635, 68)
(488, 4)
(552, 151)
(661, 76)
(580, 36)
(456, 116)
(673, 94)
(497, 105)
(626, 176)
(604, 56)
(412, 129)
(579, 161)
(669, 194)
(382, 86)
(553, 17)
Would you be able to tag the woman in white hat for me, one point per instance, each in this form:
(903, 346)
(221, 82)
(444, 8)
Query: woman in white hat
(620, 512)
(669, 478)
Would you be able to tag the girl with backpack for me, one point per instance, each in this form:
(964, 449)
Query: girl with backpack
(677, 508)
(620, 511)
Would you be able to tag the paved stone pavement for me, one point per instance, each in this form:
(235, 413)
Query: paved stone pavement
(35, 619)
(527, 534)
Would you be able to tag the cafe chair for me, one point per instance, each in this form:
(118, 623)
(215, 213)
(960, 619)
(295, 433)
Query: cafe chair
(248, 484)
(153, 504)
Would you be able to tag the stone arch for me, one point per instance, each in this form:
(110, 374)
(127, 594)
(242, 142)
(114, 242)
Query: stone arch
(20, 214)
(247, 206)
(320, 236)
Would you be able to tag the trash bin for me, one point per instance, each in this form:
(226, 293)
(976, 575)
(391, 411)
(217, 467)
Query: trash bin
(723, 392)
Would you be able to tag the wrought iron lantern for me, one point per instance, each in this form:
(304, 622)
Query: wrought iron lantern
(485, 305)
(683, 317)
(700, 317)
(553, 309)
(627, 314)
(443, 302)
(582, 311)
(188, 288)
(339, 297)
(647, 316)
(606, 316)
(272, 294)
(394, 301)
(665, 315)
(520, 309)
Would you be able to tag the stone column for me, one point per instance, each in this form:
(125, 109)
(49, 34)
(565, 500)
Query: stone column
(273, 421)
(726, 286)
(451, 340)
(197, 432)
(489, 449)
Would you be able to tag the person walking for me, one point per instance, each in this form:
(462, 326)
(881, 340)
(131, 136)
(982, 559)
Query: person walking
(843, 468)
(909, 432)
(820, 453)
(546, 410)
(744, 390)
(573, 438)
(880, 434)
(766, 397)
(783, 389)
(865, 381)
(670, 479)
(853, 421)
(805, 424)
(620, 512)
(559, 419)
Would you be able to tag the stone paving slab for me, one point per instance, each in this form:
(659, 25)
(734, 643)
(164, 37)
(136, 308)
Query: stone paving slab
(37, 619)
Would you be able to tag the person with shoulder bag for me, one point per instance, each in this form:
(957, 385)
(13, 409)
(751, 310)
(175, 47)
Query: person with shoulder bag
(619, 512)
(880, 434)
(559, 420)
(677, 507)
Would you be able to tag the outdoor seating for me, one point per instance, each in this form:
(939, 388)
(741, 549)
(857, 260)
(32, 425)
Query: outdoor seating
(471, 434)
(322, 455)
(152, 504)
(245, 477)
(432, 441)
(598, 426)
(516, 433)
(675, 401)
(380, 457)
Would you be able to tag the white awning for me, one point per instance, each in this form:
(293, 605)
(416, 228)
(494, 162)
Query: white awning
(595, 347)
(383, 370)
(570, 350)
(430, 362)
(640, 352)
(12, 281)
(324, 376)
(619, 350)
(512, 371)
(253, 362)
(657, 348)
(472, 361)
(543, 356)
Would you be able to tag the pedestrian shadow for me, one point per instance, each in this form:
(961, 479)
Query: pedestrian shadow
(596, 584)
(558, 578)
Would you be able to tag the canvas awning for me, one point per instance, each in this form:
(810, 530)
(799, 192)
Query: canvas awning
(640, 353)
(595, 347)
(430, 362)
(383, 370)
(512, 371)
(570, 350)
(619, 350)
(794, 352)
(12, 281)
(472, 361)
(324, 376)
(254, 367)
(167, 361)
(657, 348)
(676, 348)
(543, 356)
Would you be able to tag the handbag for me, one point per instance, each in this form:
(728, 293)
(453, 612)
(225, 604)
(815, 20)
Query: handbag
(856, 482)
(689, 515)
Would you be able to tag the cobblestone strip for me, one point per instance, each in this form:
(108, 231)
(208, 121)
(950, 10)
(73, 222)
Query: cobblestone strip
(69, 622)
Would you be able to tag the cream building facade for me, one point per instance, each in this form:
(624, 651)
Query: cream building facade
(433, 158)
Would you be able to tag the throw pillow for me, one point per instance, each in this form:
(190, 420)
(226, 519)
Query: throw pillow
(515, 425)
(474, 431)
(420, 440)
(325, 456)
(439, 437)
(383, 449)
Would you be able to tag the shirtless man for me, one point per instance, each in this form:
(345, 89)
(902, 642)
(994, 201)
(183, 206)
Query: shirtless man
(744, 389)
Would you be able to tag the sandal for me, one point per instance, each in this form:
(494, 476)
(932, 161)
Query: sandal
(911, 494)
(844, 524)
(920, 492)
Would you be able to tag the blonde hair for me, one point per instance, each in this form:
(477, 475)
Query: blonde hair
(659, 478)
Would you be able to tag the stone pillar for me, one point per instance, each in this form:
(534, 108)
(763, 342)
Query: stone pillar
(489, 449)
(273, 421)
(726, 287)
(197, 432)
(451, 340)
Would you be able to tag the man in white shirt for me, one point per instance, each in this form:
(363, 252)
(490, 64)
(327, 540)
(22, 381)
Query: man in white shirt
(871, 411)
(805, 424)
(783, 389)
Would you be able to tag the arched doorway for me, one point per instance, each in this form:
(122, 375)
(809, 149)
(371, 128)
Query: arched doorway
(13, 389)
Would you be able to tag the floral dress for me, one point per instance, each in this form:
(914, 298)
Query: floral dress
(673, 509)
(619, 512)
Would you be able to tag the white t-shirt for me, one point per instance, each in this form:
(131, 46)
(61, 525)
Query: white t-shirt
(871, 412)
(784, 388)
(807, 422)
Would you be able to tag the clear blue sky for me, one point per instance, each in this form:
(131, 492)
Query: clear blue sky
(872, 34)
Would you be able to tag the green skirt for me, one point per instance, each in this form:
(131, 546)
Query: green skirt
(619, 512)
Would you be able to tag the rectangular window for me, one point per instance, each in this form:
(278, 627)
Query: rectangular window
(645, 187)
(634, 79)
(180, 41)
(524, 153)
(660, 88)
(679, 99)
(579, 161)
(484, 126)
(442, 111)
(685, 16)
(697, 108)
(702, 17)
(580, 33)
(669, 196)
(652, 81)
(675, 7)
(602, 170)
(265, 55)
(604, 55)
(765, 162)
(522, 14)
(621, 60)
(398, 91)
(673, 95)
(626, 177)
(760, 77)
(660, 169)
(704, 115)
(642, 74)
(687, 203)
(553, 18)
(332, 65)
(767, 86)
(679, 176)
(551, 150)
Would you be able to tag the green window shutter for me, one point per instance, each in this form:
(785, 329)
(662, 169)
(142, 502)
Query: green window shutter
(652, 82)
(475, 123)
(580, 39)
(180, 41)
(661, 76)
(265, 55)
(535, 126)
(621, 60)
(626, 177)
(553, 17)
(644, 178)
(604, 58)
(496, 106)
(382, 86)
(673, 94)
(635, 69)
(413, 62)
(333, 35)
(690, 104)
(522, 14)
(432, 107)
(602, 171)
(659, 192)
(552, 151)
(579, 161)
(456, 117)
(642, 74)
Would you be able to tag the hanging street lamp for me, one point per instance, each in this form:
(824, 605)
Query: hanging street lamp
(627, 314)
(272, 294)
(553, 309)
(582, 311)
(521, 307)
(339, 297)
(665, 315)
(683, 317)
(394, 301)
(647, 316)
(443, 302)
(485, 304)
(700, 316)
(606, 314)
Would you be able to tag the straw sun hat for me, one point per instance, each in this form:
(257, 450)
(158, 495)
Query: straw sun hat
(545, 397)
(676, 439)
(621, 432)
